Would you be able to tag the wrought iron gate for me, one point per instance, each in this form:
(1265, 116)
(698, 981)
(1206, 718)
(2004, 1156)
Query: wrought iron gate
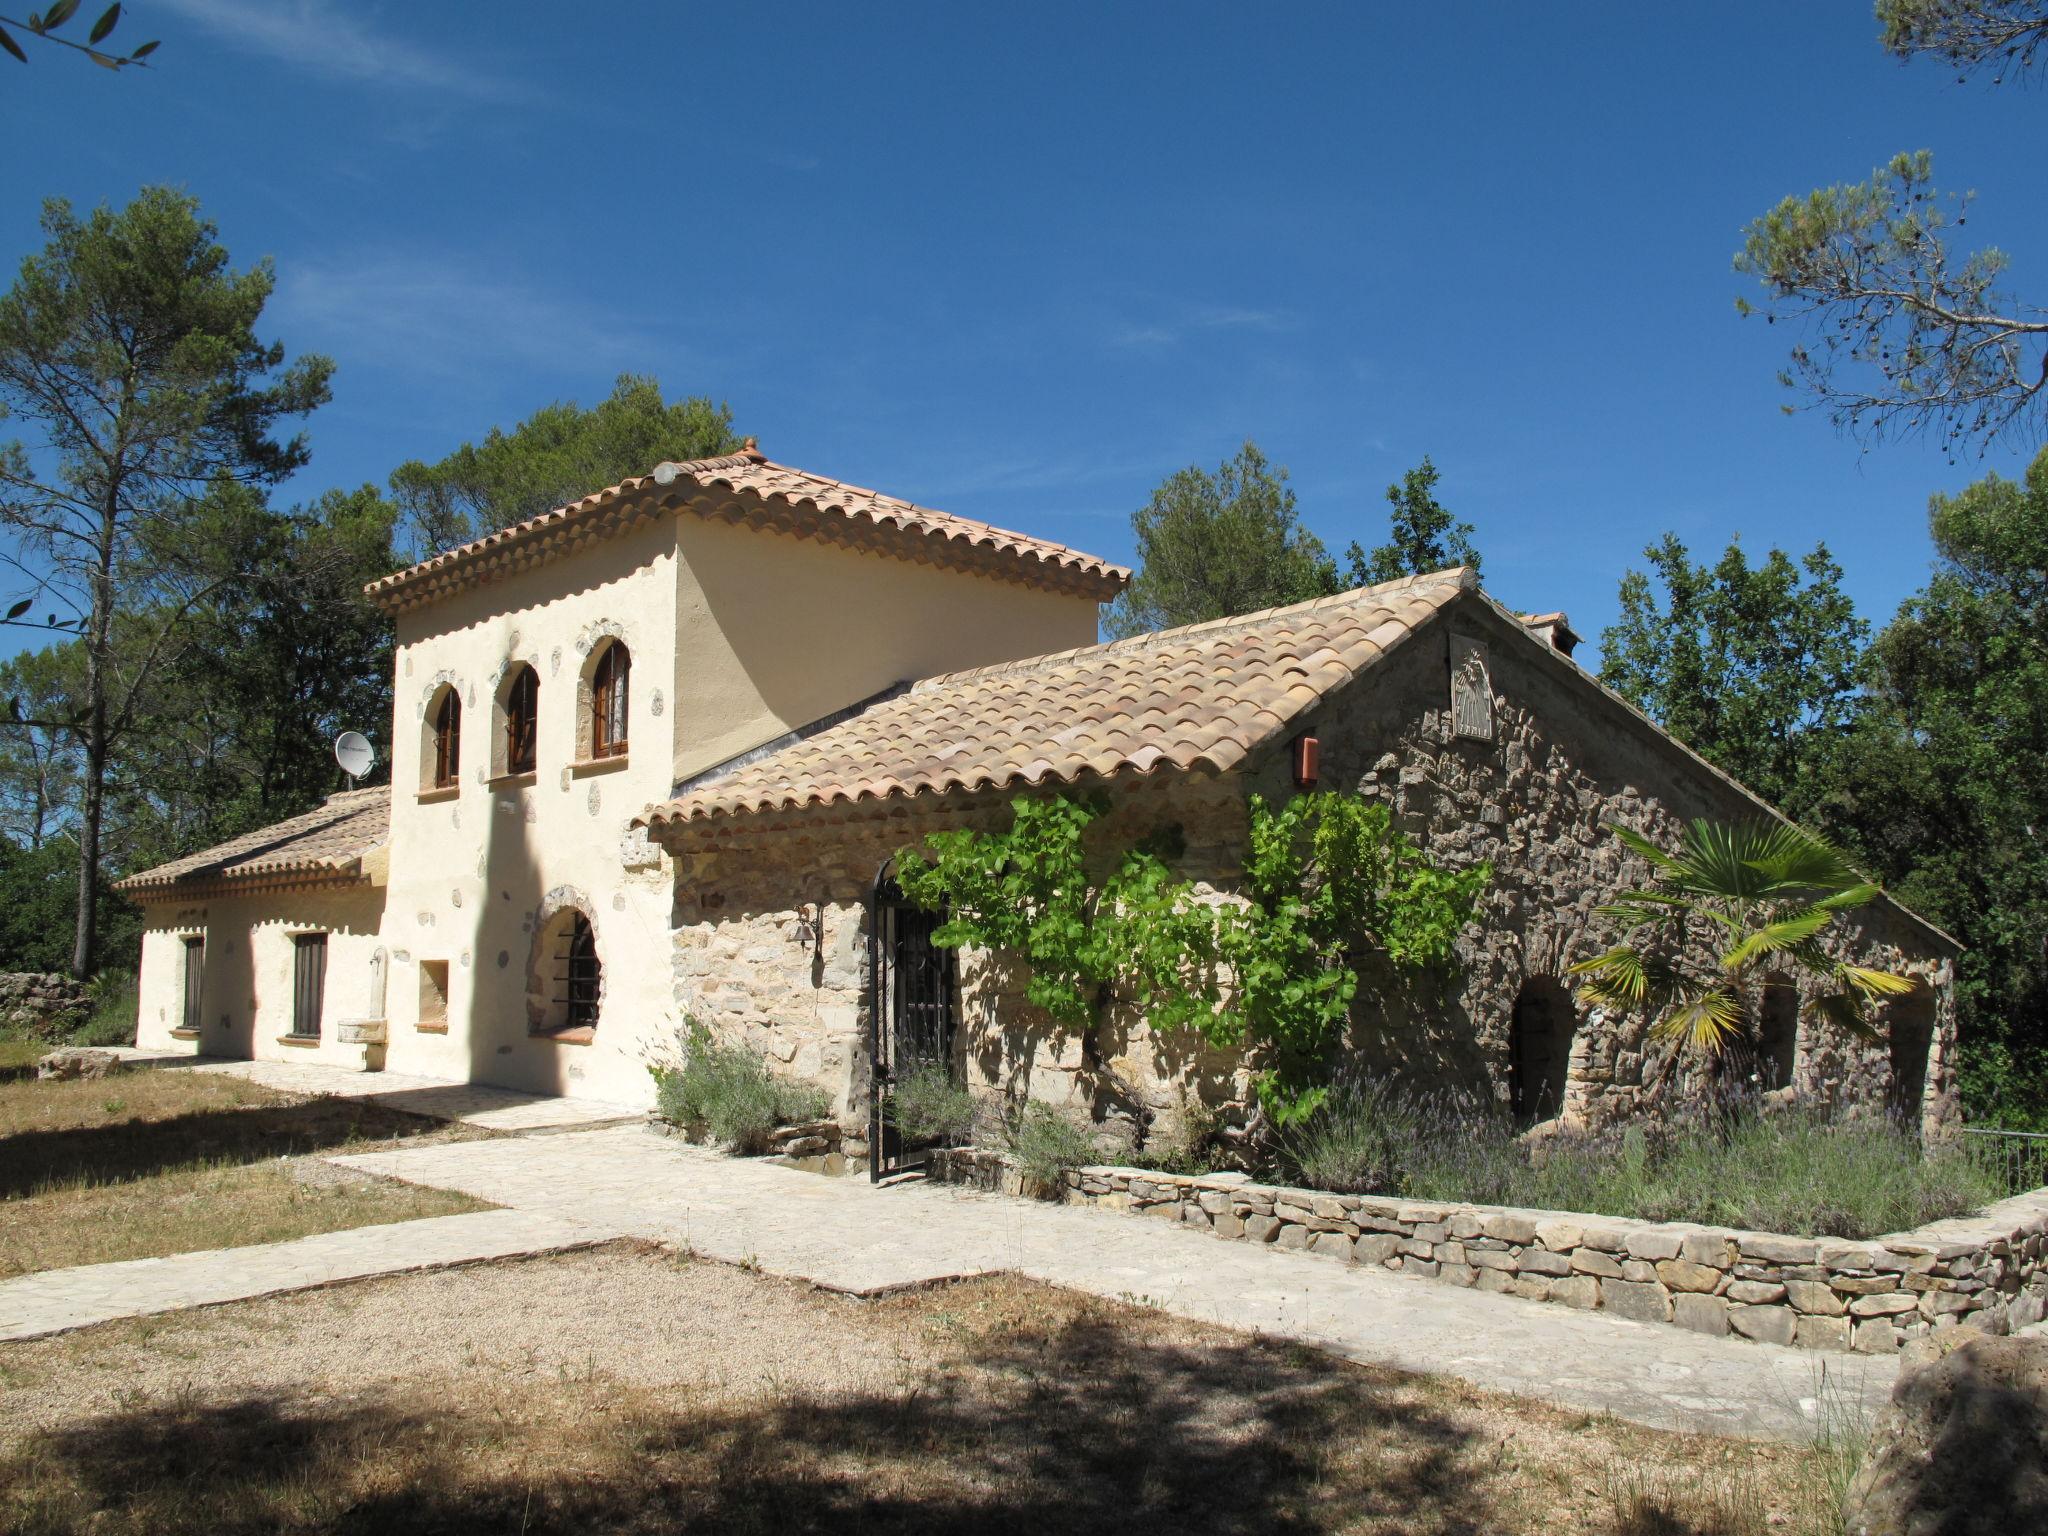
(912, 1013)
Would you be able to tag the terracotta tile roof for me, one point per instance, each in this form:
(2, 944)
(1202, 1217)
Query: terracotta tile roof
(750, 489)
(328, 843)
(1203, 697)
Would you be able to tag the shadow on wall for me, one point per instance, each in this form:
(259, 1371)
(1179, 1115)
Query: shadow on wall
(503, 938)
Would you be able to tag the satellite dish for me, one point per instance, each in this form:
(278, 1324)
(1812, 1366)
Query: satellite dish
(353, 751)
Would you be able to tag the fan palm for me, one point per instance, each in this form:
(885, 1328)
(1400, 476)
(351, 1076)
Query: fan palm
(1764, 893)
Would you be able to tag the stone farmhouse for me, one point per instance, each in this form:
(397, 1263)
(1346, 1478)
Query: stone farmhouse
(653, 753)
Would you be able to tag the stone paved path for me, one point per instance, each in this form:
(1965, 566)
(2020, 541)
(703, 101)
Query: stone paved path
(847, 1235)
(57, 1300)
(501, 1109)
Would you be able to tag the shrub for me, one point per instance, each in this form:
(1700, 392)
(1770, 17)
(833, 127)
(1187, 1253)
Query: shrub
(1045, 1144)
(116, 1002)
(1802, 1171)
(728, 1093)
(929, 1108)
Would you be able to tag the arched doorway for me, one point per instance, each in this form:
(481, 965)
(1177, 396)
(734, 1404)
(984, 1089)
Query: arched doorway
(913, 1010)
(1777, 1034)
(1540, 1049)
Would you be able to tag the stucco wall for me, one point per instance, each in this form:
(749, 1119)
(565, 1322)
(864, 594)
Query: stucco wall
(474, 877)
(246, 1004)
(774, 632)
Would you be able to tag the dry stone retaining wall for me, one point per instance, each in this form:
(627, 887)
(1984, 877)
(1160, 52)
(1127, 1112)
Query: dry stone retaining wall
(1988, 1272)
(43, 1004)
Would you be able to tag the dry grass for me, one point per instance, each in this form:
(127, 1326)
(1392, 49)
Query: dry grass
(637, 1392)
(163, 1161)
(19, 1057)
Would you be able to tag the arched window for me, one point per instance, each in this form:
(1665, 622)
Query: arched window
(582, 974)
(609, 687)
(447, 745)
(1540, 1049)
(522, 720)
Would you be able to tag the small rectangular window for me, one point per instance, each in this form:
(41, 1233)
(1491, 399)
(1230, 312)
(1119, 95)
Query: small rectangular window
(195, 980)
(433, 994)
(309, 983)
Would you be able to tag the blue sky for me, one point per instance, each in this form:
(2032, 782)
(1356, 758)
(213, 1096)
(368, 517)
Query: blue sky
(1022, 261)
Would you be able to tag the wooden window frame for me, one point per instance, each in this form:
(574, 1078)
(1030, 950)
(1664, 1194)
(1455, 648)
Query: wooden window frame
(522, 722)
(611, 682)
(309, 985)
(447, 741)
(195, 983)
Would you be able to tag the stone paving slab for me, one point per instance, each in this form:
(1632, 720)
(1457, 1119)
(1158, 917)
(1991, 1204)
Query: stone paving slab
(57, 1300)
(844, 1234)
(501, 1109)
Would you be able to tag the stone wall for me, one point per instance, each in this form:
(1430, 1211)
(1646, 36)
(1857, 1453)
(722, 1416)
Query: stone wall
(47, 1005)
(769, 935)
(1534, 798)
(1988, 1272)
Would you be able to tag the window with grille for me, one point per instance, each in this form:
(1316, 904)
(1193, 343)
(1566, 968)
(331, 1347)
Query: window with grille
(579, 975)
(447, 740)
(309, 982)
(522, 719)
(195, 980)
(608, 694)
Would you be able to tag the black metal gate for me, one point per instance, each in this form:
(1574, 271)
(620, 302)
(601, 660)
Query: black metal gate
(912, 1013)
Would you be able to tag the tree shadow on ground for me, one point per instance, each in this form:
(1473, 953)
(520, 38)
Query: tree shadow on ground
(1082, 1429)
(138, 1147)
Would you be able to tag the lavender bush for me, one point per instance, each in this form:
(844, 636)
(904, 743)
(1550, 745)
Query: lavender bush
(1797, 1171)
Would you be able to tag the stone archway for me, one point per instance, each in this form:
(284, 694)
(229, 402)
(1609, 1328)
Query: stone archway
(564, 925)
(1540, 1035)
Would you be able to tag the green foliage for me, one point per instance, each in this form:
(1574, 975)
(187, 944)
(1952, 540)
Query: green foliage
(1802, 1171)
(2001, 35)
(558, 454)
(1905, 337)
(728, 1093)
(1212, 546)
(1424, 535)
(1944, 788)
(929, 1109)
(39, 910)
(1732, 903)
(128, 349)
(1328, 878)
(44, 26)
(1752, 667)
(1046, 1144)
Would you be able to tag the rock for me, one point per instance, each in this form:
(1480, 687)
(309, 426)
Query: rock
(1753, 1293)
(1641, 1303)
(1812, 1296)
(1822, 1332)
(1538, 1261)
(1962, 1449)
(1767, 1325)
(1653, 1243)
(1874, 1336)
(1581, 1291)
(1684, 1275)
(1702, 1314)
(76, 1062)
(1886, 1304)
(1591, 1261)
(1376, 1247)
(1331, 1245)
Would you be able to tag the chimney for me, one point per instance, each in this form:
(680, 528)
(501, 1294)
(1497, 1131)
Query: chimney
(1555, 628)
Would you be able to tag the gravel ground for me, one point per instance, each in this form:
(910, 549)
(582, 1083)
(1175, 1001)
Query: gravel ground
(635, 1315)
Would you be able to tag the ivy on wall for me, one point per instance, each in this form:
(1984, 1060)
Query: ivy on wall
(1329, 879)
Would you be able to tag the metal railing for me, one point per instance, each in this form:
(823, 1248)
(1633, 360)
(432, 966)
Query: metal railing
(2017, 1159)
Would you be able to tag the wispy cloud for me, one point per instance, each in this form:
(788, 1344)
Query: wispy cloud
(339, 41)
(434, 313)
(1196, 320)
